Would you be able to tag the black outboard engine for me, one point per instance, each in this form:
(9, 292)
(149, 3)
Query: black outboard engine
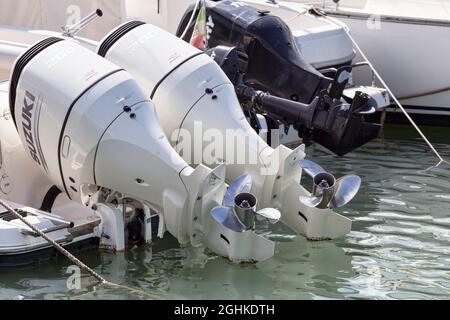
(271, 76)
(276, 64)
(338, 126)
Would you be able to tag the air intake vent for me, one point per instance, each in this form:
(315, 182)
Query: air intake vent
(116, 35)
(20, 65)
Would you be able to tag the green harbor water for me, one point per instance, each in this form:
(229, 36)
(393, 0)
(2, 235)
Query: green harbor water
(399, 247)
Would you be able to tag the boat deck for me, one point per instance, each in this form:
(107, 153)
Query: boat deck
(431, 10)
(84, 220)
(20, 246)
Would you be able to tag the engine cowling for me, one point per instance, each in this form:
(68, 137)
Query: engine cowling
(66, 103)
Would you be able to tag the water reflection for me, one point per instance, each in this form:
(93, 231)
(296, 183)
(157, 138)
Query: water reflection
(399, 247)
(400, 242)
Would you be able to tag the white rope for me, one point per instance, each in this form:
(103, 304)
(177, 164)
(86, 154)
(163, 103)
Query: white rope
(191, 19)
(56, 245)
(441, 159)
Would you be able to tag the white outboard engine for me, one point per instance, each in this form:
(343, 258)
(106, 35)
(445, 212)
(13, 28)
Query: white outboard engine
(85, 122)
(192, 96)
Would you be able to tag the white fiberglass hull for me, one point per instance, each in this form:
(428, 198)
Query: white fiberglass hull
(413, 58)
(408, 44)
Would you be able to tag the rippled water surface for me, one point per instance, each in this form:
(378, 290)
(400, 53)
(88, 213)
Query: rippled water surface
(399, 247)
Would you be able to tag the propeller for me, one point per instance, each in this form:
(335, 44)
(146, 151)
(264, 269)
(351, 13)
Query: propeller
(367, 110)
(327, 191)
(362, 104)
(238, 211)
(242, 184)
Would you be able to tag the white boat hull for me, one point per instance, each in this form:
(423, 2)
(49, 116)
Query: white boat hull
(410, 59)
(407, 44)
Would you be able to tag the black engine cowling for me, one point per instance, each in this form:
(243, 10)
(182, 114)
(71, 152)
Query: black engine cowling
(275, 62)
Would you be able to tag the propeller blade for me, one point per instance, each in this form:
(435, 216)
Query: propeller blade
(346, 189)
(226, 217)
(311, 202)
(311, 168)
(368, 110)
(242, 184)
(271, 214)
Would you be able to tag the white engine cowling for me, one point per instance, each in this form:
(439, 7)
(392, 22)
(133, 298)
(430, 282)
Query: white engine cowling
(187, 87)
(68, 106)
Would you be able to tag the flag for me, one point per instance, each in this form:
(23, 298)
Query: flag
(199, 35)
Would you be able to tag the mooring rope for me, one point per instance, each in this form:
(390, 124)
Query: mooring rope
(56, 245)
(70, 256)
(383, 83)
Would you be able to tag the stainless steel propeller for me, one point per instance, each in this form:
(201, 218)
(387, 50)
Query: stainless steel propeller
(327, 191)
(238, 211)
(363, 103)
(242, 184)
